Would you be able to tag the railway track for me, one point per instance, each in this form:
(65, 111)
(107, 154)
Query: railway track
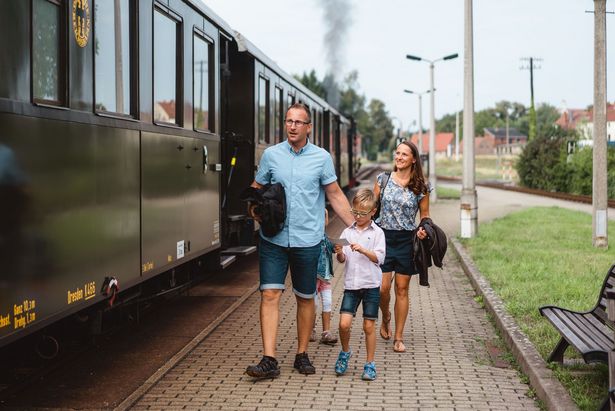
(561, 196)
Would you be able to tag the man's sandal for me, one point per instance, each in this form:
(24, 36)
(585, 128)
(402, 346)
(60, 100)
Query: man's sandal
(386, 326)
(398, 346)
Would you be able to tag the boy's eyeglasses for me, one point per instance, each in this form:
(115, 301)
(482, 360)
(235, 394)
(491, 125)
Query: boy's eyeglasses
(359, 213)
(297, 123)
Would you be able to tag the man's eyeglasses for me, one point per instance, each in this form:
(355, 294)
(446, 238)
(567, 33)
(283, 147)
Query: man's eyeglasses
(359, 213)
(297, 123)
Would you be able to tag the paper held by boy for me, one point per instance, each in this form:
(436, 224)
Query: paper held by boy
(340, 241)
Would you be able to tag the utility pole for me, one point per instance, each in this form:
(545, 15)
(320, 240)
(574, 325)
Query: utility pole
(457, 135)
(507, 133)
(531, 66)
(420, 124)
(599, 184)
(469, 203)
(119, 75)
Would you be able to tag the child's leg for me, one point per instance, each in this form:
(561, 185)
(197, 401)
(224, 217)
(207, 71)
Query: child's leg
(345, 324)
(326, 310)
(371, 301)
(316, 306)
(370, 338)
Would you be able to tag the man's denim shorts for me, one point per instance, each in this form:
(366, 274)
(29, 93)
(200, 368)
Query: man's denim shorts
(275, 260)
(370, 298)
(399, 254)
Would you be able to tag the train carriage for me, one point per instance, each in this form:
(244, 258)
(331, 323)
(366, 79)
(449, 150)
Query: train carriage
(127, 131)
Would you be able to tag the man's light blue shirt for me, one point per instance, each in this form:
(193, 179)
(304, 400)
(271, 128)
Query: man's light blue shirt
(303, 175)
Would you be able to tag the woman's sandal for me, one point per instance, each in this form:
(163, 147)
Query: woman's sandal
(398, 346)
(386, 326)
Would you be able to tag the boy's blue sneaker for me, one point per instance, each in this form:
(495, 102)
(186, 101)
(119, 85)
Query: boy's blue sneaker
(369, 371)
(342, 362)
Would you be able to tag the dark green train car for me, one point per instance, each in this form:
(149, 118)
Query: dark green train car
(127, 130)
(109, 150)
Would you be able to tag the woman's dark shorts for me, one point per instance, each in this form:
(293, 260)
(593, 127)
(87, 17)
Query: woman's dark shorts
(399, 255)
(370, 298)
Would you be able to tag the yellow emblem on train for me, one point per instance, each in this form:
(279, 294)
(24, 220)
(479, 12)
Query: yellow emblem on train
(81, 21)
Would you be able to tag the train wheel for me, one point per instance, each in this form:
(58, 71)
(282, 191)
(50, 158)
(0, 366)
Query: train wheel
(47, 347)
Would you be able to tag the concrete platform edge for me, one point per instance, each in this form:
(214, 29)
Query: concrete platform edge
(547, 386)
(151, 381)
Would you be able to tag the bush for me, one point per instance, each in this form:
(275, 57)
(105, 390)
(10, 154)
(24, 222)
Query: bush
(581, 173)
(545, 165)
(542, 165)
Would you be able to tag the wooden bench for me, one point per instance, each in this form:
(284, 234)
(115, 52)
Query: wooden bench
(609, 403)
(590, 332)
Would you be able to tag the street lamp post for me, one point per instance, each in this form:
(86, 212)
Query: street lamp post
(420, 117)
(432, 121)
(399, 129)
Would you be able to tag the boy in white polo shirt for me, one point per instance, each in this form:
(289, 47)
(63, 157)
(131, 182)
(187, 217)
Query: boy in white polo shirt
(362, 279)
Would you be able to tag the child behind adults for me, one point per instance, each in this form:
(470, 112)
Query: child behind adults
(362, 279)
(324, 274)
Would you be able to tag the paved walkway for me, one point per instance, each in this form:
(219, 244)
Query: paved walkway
(447, 366)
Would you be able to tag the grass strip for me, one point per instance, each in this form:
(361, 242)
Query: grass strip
(540, 256)
(448, 193)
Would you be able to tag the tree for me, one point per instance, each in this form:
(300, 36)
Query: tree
(446, 124)
(546, 115)
(310, 80)
(381, 126)
(352, 104)
(373, 124)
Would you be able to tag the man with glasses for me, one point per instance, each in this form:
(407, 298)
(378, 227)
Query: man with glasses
(306, 171)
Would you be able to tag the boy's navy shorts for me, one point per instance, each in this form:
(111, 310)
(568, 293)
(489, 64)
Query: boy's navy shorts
(370, 298)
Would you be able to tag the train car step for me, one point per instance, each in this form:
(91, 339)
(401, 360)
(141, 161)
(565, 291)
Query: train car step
(226, 260)
(241, 250)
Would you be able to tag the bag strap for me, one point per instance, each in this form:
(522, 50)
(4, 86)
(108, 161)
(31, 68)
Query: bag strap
(388, 176)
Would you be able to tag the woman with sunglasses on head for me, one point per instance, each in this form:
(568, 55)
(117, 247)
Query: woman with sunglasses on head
(403, 193)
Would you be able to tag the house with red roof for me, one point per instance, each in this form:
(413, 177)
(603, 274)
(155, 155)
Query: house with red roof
(588, 129)
(572, 118)
(445, 143)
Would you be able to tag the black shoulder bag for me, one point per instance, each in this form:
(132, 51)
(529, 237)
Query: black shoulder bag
(387, 176)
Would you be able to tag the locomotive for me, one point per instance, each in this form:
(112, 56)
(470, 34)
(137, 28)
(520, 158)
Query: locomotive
(128, 129)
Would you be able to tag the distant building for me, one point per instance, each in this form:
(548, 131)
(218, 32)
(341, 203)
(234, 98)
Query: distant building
(445, 143)
(587, 130)
(484, 145)
(516, 141)
(164, 111)
(572, 118)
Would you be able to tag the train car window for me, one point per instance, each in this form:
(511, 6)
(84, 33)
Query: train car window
(320, 130)
(113, 56)
(279, 114)
(291, 99)
(202, 80)
(263, 110)
(48, 52)
(166, 58)
(314, 136)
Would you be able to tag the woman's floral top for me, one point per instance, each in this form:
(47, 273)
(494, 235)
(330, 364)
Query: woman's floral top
(399, 205)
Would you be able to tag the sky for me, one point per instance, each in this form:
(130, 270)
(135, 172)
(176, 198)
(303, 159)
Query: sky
(380, 33)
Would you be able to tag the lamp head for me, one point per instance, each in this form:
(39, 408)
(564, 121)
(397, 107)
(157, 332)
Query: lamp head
(411, 57)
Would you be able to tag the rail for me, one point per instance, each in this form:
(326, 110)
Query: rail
(562, 196)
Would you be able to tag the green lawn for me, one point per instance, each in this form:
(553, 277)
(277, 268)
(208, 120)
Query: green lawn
(487, 167)
(543, 256)
(448, 193)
